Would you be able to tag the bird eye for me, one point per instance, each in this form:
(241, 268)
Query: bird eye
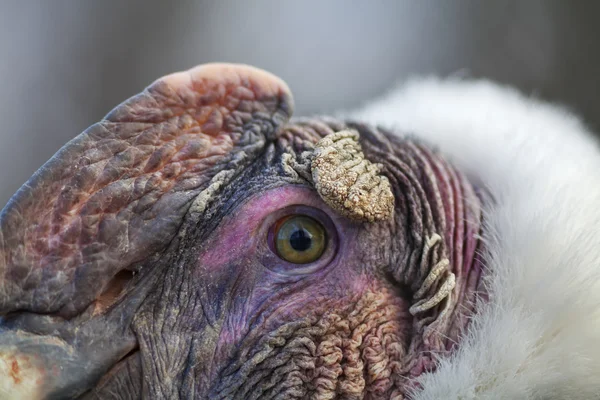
(299, 239)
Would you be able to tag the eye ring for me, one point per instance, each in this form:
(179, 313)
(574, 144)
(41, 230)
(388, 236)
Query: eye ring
(319, 258)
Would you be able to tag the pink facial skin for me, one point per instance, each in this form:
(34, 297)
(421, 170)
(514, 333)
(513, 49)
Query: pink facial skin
(347, 298)
(242, 240)
(350, 317)
(244, 230)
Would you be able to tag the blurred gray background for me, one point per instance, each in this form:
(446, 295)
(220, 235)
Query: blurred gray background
(65, 63)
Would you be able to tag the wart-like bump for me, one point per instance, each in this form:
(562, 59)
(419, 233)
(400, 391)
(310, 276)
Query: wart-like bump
(347, 181)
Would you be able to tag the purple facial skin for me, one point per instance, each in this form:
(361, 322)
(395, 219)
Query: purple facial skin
(141, 260)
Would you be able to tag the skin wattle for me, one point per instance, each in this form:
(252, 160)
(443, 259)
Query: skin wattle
(138, 258)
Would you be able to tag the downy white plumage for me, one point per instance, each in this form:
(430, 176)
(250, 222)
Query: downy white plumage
(538, 335)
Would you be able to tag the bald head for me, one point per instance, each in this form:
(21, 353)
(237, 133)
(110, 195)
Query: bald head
(197, 242)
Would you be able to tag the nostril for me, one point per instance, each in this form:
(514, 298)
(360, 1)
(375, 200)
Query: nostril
(112, 292)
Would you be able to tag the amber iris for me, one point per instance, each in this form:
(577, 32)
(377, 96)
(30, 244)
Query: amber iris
(300, 239)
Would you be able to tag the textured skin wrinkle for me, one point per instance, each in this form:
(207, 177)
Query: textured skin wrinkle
(432, 200)
(350, 352)
(117, 192)
(122, 382)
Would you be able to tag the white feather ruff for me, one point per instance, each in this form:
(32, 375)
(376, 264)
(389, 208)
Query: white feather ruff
(538, 336)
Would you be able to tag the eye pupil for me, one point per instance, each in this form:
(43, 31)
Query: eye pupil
(301, 240)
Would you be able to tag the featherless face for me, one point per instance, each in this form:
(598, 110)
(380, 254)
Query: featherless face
(199, 242)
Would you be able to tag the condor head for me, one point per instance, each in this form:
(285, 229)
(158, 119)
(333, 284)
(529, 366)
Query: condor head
(198, 242)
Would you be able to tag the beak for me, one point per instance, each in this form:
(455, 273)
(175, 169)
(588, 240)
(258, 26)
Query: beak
(109, 201)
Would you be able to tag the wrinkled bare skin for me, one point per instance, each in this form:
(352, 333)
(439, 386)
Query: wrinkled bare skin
(137, 262)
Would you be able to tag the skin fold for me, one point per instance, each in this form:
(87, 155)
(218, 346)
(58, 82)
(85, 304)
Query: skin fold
(137, 262)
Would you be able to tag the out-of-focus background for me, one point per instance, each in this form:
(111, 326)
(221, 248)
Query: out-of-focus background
(65, 63)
